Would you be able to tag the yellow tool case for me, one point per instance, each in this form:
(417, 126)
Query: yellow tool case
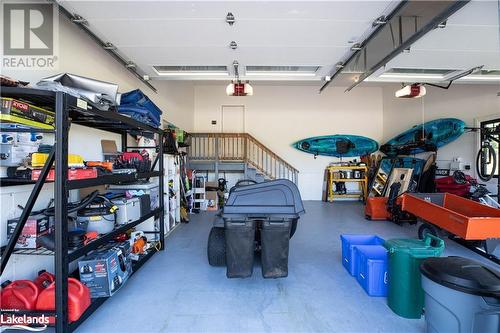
(38, 160)
(16, 111)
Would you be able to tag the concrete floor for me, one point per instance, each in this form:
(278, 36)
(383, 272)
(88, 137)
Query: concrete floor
(177, 291)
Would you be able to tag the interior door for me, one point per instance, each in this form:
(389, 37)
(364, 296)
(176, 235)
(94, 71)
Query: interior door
(233, 119)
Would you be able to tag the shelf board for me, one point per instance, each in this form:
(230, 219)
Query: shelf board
(15, 182)
(92, 116)
(335, 167)
(110, 179)
(106, 238)
(351, 195)
(344, 180)
(75, 254)
(97, 302)
(88, 182)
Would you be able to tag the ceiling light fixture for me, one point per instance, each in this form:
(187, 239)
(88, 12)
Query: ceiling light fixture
(279, 73)
(230, 19)
(237, 87)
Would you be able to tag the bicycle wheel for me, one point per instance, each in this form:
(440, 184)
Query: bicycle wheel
(486, 155)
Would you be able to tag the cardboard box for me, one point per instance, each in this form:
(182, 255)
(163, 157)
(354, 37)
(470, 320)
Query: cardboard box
(105, 271)
(211, 184)
(35, 227)
(212, 200)
(109, 150)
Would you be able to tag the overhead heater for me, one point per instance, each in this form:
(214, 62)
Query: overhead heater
(391, 35)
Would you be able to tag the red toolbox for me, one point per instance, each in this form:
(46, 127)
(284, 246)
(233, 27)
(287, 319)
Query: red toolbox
(73, 174)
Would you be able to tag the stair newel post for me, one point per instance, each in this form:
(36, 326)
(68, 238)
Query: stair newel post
(216, 170)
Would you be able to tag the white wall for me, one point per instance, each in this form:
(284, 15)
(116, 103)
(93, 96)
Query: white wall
(78, 54)
(466, 102)
(280, 115)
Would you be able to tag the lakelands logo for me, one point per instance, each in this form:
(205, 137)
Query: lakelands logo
(30, 35)
(23, 320)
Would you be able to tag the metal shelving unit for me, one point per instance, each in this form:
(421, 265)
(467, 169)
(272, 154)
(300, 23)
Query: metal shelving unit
(362, 182)
(72, 110)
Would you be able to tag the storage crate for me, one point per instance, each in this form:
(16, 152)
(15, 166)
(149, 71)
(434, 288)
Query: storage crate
(348, 244)
(372, 269)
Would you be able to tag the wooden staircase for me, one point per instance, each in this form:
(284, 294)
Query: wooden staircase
(237, 152)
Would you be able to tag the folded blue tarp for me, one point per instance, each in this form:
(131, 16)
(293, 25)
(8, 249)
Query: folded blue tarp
(138, 106)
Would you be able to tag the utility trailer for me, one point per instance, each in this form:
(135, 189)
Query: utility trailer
(257, 217)
(471, 223)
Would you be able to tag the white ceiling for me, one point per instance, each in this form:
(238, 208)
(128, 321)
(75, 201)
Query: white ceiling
(152, 33)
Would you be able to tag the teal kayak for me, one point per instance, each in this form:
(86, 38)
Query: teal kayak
(337, 145)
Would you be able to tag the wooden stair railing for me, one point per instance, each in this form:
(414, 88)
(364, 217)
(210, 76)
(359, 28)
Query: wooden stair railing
(240, 147)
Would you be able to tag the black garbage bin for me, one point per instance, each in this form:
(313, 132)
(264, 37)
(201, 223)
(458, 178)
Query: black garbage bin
(275, 237)
(240, 247)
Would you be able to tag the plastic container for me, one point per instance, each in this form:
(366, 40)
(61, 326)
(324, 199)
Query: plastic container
(461, 295)
(99, 220)
(129, 210)
(372, 269)
(78, 299)
(348, 244)
(240, 248)
(18, 295)
(405, 295)
(43, 280)
(146, 187)
(275, 237)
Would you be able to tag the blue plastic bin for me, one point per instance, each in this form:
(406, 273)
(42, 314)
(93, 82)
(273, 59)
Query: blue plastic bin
(348, 243)
(372, 269)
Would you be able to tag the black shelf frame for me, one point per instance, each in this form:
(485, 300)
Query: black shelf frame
(72, 110)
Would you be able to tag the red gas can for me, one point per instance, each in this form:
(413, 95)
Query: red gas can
(78, 299)
(43, 280)
(19, 295)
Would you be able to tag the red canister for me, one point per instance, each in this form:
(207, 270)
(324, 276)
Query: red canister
(19, 295)
(43, 280)
(78, 299)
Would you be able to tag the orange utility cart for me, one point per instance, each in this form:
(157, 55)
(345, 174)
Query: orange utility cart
(462, 217)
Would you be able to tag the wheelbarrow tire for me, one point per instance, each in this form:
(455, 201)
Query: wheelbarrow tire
(427, 228)
(216, 247)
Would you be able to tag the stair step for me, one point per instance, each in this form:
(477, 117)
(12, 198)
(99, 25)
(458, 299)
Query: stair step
(223, 166)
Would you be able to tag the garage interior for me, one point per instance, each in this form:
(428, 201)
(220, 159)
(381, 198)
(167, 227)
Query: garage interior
(250, 166)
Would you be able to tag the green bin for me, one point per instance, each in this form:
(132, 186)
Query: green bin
(405, 294)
